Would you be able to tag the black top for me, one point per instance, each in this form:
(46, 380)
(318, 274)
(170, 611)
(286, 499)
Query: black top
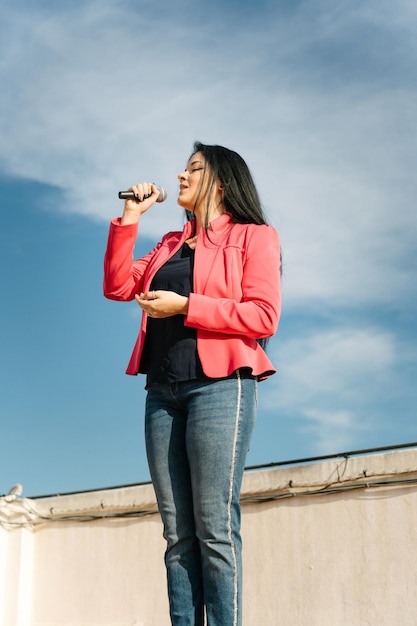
(170, 350)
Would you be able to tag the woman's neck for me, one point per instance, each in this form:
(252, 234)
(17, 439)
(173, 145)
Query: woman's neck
(202, 220)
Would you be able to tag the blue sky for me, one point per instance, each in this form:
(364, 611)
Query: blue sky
(320, 98)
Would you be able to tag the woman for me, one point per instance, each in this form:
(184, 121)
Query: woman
(209, 295)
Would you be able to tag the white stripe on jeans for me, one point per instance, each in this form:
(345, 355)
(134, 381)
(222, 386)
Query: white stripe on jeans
(229, 504)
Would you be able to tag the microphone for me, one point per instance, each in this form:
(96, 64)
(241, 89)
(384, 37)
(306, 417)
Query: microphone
(129, 195)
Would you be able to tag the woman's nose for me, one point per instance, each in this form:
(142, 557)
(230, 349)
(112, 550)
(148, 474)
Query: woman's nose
(182, 175)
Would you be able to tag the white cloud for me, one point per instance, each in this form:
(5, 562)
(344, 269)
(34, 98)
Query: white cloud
(333, 363)
(103, 95)
(332, 382)
(332, 430)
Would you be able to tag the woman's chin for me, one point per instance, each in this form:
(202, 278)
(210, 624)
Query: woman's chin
(184, 205)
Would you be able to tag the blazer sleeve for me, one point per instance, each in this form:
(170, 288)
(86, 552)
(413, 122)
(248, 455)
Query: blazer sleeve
(257, 314)
(123, 277)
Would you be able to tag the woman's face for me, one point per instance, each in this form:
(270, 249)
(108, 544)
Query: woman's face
(193, 183)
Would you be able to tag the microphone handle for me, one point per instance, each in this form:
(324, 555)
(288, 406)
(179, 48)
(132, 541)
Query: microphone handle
(129, 195)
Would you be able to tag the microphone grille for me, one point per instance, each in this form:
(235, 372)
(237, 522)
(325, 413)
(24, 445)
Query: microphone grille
(162, 195)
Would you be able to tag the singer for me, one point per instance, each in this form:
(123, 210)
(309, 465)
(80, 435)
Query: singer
(210, 296)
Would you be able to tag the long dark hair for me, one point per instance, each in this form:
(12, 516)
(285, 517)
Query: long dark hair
(240, 197)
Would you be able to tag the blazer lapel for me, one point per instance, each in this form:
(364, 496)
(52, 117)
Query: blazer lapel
(208, 250)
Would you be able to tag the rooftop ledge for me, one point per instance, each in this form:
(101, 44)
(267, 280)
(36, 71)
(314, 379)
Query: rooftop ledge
(391, 468)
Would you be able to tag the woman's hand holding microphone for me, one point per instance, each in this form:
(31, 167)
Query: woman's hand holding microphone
(146, 194)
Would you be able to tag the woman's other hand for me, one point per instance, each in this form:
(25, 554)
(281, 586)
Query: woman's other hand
(162, 303)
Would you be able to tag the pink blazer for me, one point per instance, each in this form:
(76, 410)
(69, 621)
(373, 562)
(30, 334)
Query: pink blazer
(236, 297)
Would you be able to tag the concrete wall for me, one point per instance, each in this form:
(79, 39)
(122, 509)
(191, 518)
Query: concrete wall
(328, 544)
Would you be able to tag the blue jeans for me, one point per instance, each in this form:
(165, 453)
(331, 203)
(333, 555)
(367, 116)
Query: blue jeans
(197, 439)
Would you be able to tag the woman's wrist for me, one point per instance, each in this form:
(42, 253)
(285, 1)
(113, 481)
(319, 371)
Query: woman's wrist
(184, 310)
(129, 217)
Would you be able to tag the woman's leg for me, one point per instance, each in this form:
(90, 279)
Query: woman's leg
(197, 437)
(165, 433)
(221, 417)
